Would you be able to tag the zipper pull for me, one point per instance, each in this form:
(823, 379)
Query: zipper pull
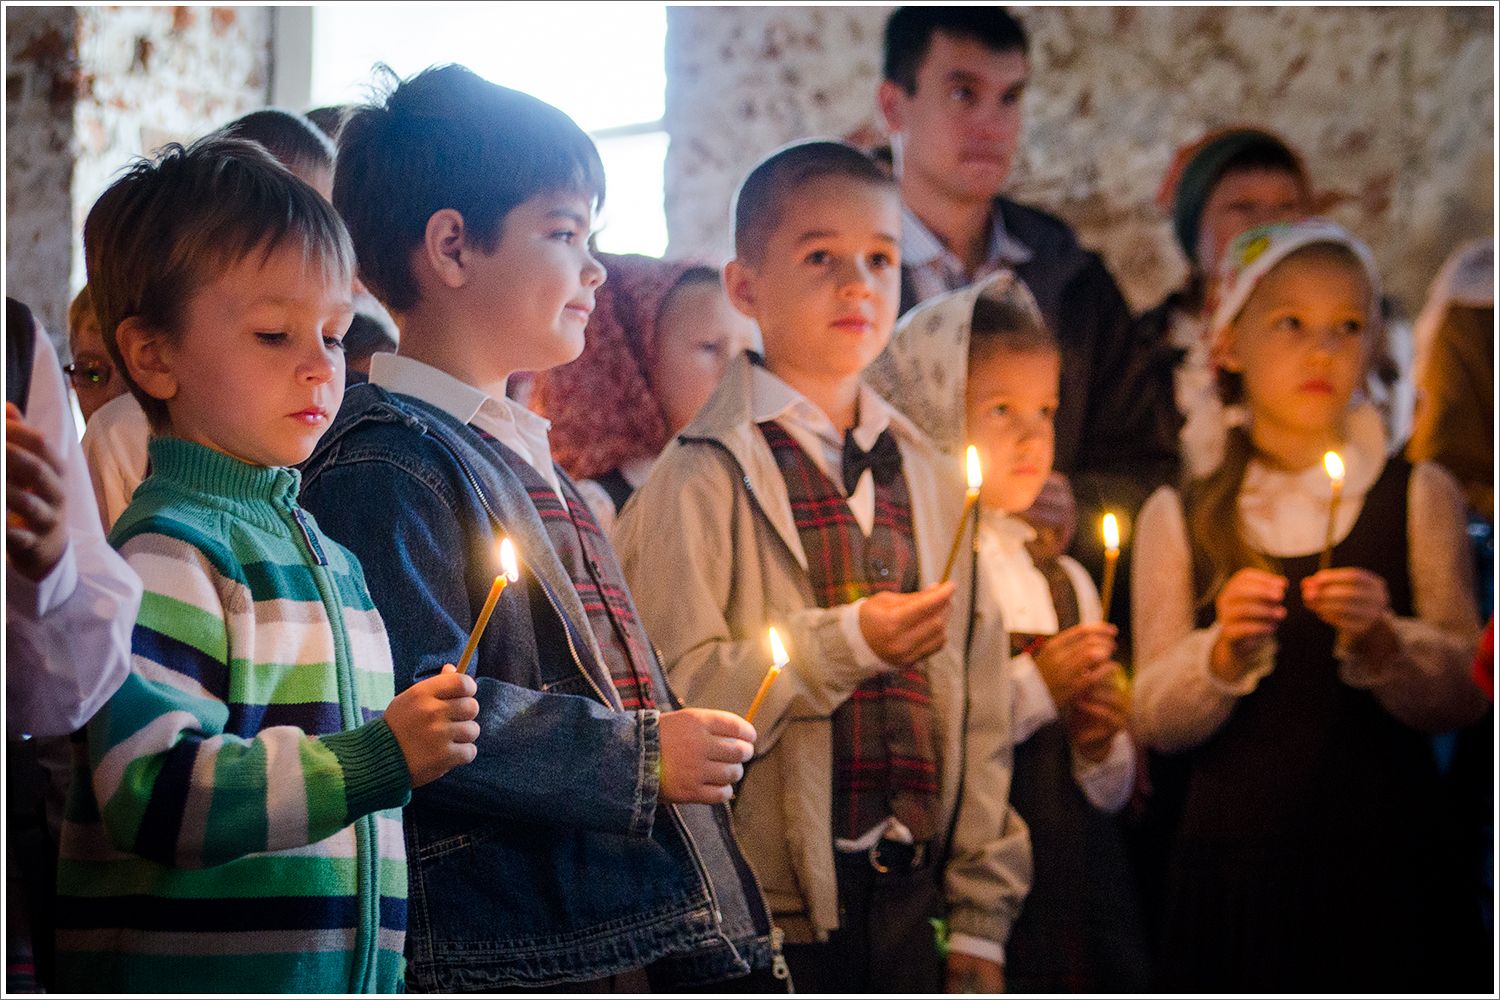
(308, 537)
(779, 968)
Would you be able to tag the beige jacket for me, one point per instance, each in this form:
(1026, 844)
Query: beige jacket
(713, 558)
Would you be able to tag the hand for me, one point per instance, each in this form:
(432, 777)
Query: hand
(904, 628)
(1249, 609)
(1097, 714)
(703, 754)
(1076, 659)
(1054, 515)
(434, 724)
(1356, 603)
(36, 527)
(970, 974)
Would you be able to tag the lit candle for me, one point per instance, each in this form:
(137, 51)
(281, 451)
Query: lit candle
(1334, 466)
(1111, 558)
(508, 574)
(778, 660)
(976, 481)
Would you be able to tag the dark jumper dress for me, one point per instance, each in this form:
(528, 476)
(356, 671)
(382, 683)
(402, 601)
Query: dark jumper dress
(1313, 851)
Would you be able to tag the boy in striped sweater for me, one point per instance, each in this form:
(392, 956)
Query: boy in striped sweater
(234, 822)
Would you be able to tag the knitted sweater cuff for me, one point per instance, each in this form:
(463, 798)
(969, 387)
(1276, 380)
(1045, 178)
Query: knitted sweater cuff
(375, 773)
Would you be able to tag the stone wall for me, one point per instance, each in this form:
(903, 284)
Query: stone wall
(1392, 107)
(41, 48)
(87, 89)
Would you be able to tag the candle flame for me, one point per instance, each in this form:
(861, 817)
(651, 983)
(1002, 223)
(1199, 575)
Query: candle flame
(508, 560)
(778, 651)
(1334, 466)
(976, 475)
(1111, 533)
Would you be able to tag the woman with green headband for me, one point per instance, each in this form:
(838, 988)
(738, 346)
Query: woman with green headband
(1217, 187)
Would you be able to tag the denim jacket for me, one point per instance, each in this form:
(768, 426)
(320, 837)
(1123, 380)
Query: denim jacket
(549, 859)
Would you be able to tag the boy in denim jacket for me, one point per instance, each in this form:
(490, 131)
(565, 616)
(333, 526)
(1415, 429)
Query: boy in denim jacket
(588, 846)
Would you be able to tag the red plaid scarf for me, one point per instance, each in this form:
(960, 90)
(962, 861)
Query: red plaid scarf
(885, 751)
(596, 576)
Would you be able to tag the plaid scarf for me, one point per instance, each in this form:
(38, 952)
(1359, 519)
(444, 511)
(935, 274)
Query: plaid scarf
(1064, 602)
(885, 751)
(596, 575)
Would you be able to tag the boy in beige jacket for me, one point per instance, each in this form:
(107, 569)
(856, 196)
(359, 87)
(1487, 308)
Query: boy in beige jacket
(877, 801)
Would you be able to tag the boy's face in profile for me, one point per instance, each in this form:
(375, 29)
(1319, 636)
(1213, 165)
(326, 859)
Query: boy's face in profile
(256, 370)
(1012, 400)
(827, 287)
(536, 288)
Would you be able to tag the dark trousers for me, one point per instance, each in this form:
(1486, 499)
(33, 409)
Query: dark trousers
(885, 942)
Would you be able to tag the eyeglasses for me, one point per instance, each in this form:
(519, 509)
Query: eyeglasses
(89, 374)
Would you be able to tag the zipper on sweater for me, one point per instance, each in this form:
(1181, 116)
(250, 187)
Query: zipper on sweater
(367, 888)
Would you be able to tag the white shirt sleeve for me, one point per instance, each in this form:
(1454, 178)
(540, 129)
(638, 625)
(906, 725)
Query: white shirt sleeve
(968, 944)
(1108, 784)
(1031, 703)
(114, 446)
(68, 636)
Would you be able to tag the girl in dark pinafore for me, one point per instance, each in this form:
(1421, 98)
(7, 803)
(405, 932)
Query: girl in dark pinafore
(1312, 852)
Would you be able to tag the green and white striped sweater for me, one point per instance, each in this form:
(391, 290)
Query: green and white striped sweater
(234, 822)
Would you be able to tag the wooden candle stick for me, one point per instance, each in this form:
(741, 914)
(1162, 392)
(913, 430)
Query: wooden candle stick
(971, 499)
(1334, 466)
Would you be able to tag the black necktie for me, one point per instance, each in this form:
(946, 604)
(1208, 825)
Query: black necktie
(883, 460)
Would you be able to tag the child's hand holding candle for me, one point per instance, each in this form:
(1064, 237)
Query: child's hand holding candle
(508, 574)
(971, 500)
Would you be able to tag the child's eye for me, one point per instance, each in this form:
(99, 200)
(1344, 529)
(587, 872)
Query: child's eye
(962, 94)
(270, 336)
(333, 343)
(1011, 98)
(1352, 328)
(568, 236)
(1001, 409)
(818, 257)
(881, 260)
(1289, 324)
(1048, 412)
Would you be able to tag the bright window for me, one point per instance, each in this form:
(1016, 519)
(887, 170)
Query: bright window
(601, 63)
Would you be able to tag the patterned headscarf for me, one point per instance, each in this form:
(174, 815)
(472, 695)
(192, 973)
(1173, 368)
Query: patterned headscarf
(924, 372)
(602, 409)
(1254, 252)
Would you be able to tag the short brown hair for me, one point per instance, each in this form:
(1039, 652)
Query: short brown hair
(763, 194)
(158, 233)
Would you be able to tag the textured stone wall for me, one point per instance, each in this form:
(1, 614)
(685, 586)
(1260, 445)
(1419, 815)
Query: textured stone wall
(40, 83)
(87, 89)
(1392, 107)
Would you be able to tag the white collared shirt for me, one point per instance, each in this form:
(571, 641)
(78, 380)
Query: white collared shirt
(773, 399)
(510, 423)
(935, 269)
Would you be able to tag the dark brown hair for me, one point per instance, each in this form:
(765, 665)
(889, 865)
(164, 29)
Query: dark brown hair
(763, 194)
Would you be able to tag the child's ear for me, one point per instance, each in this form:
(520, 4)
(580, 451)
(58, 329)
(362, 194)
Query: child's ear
(1226, 353)
(147, 356)
(739, 285)
(443, 244)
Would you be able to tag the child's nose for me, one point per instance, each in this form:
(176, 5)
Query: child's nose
(318, 366)
(594, 273)
(856, 279)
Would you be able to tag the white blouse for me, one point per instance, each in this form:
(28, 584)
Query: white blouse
(1179, 702)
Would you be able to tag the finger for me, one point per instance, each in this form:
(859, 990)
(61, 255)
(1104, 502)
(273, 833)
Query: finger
(448, 668)
(39, 515)
(463, 732)
(718, 723)
(464, 752)
(451, 684)
(461, 709)
(720, 773)
(1237, 631)
(19, 539)
(729, 751)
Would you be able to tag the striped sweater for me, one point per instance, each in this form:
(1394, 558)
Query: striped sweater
(234, 822)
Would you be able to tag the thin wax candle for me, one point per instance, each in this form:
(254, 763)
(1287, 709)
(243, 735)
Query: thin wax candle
(508, 574)
(778, 661)
(1334, 466)
(1111, 559)
(976, 483)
